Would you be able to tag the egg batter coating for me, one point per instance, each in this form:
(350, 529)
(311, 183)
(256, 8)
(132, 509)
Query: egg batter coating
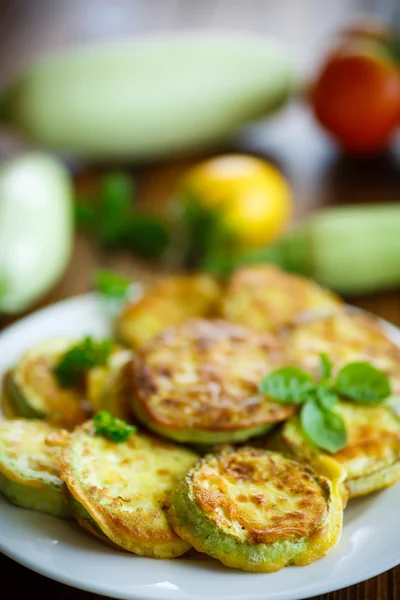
(120, 492)
(198, 382)
(29, 471)
(259, 511)
(371, 456)
(32, 390)
(266, 298)
(166, 303)
(347, 336)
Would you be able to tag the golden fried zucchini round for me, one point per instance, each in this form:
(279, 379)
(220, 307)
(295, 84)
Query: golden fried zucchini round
(120, 492)
(168, 302)
(347, 336)
(259, 511)
(109, 386)
(265, 298)
(29, 472)
(198, 382)
(33, 391)
(7, 409)
(371, 456)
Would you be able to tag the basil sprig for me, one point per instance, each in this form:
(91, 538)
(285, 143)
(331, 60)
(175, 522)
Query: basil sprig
(358, 382)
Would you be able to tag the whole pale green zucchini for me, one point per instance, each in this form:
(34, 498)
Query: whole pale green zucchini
(36, 228)
(351, 249)
(148, 98)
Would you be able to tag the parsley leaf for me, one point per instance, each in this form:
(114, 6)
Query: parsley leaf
(80, 358)
(111, 284)
(145, 235)
(115, 222)
(111, 427)
(325, 428)
(288, 385)
(114, 209)
(207, 238)
(363, 383)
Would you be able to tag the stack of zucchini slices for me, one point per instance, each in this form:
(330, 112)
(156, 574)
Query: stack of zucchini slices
(169, 444)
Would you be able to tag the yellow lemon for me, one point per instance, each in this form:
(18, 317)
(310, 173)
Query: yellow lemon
(254, 198)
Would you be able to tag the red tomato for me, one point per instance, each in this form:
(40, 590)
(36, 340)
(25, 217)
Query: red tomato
(356, 96)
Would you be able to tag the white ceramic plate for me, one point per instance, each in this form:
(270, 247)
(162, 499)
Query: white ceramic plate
(62, 551)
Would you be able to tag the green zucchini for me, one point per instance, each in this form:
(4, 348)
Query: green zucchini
(120, 491)
(36, 228)
(353, 249)
(29, 474)
(109, 386)
(149, 98)
(33, 391)
(257, 510)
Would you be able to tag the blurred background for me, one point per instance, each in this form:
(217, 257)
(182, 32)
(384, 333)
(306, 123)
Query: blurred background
(318, 169)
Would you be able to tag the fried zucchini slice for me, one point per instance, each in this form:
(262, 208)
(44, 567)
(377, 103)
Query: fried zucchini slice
(109, 386)
(29, 472)
(168, 302)
(120, 492)
(198, 382)
(259, 511)
(265, 298)
(347, 336)
(33, 392)
(371, 456)
(7, 409)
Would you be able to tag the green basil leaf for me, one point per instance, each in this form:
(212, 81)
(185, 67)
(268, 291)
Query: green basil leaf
(363, 383)
(325, 397)
(326, 429)
(325, 367)
(289, 384)
(111, 284)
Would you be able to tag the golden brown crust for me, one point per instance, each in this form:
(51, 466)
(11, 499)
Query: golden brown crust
(131, 514)
(265, 298)
(373, 439)
(7, 408)
(270, 498)
(34, 376)
(204, 375)
(346, 336)
(166, 303)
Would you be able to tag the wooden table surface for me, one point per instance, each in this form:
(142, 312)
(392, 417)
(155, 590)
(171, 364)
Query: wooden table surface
(318, 173)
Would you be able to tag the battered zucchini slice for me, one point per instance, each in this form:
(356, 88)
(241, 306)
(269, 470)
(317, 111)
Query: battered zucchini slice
(265, 298)
(168, 302)
(198, 383)
(29, 472)
(371, 456)
(7, 409)
(109, 387)
(120, 492)
(259, 511)
(347, 336)
(33, 391)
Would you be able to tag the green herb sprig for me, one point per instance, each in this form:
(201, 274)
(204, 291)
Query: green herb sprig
(111, 427)
(358, 382)
(111, 285)
(80, 358)
(114, 220)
